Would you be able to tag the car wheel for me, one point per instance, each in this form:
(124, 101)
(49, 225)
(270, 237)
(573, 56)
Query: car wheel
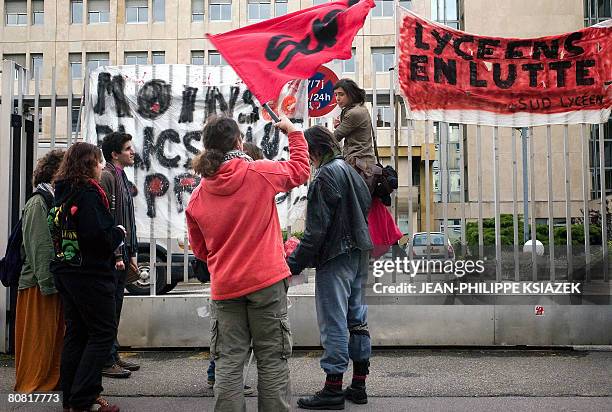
(142, 286)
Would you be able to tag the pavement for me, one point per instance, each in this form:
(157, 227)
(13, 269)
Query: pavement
(403, 379)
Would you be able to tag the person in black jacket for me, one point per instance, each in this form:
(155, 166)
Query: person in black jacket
(84, 239)
(337, 243)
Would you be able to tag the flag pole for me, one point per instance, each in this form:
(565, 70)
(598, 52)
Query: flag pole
(273, 115)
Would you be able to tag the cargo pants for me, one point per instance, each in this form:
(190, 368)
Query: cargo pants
(261, 317)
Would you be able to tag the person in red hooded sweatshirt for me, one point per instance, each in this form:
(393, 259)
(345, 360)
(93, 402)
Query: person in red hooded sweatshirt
(233, 226)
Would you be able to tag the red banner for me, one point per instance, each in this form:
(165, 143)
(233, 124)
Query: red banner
(268, 54)
(449, 75)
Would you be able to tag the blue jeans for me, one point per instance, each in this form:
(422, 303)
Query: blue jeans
(341, 313)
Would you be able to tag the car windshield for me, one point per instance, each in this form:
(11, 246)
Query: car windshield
(434, 239)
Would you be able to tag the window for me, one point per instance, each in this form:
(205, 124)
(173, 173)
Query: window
(19, 59)
(36, 64)
(317, 2)
(136, 58)
(75, 119)
(349, 65)
(215, 59)
(446, 12)
(596, 11)
(40, 120)
(38, 12)
(220, 10)
(384, 8)
(159, 10)
(383, 116)
(197, 10)
(136, 11)
(280, 8)
(453, 163)
(159, 57)
(98, 11)
(259, 9)
(197, 57)
(384, 58)
(95, 60)
(76, 65)
(16, 12)
(594, 155)
(76, 12)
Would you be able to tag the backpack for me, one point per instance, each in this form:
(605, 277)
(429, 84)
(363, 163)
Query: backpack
(11, 263)
(62, 226)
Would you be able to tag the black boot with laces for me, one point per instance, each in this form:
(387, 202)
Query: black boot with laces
(331, 397)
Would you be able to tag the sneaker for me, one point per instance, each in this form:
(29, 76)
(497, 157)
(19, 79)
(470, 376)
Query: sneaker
(356, 395)
(248, 390)
(210, 382)
(131, 366)
(116, 371)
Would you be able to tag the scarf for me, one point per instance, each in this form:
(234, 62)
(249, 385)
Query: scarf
(45, 187)
(234, 154)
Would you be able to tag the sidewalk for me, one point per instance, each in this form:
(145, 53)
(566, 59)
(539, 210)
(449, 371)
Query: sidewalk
(400, 380)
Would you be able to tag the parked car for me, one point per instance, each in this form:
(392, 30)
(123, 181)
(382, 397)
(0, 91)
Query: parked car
(195, 270)
(435, 248)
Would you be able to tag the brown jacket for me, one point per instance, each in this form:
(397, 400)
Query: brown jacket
(356, 129)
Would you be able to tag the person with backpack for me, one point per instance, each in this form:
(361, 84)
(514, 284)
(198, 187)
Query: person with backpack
(39, 321)
(85, 238)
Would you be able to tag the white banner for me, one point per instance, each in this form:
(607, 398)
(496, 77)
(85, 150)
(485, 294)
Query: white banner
(164, 108)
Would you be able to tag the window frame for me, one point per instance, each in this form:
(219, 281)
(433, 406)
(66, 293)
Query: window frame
(138, 55)
(38, 13)
(220, 6)
(158, 53)
(379, 51)
(73, 3)
(257, 4)
(21, 15)
(139, 10)
(198, 54)
(72, 63)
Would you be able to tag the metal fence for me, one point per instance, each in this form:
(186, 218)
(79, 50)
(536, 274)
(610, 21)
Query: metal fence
(19, 149)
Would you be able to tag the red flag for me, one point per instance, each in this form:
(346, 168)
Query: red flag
(268, 54)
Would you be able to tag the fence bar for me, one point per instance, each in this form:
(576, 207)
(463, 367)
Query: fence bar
(152, 240)
(427, 194)
(498, 256)
(443, 130)
(604, 203)
(568, 204)
(169, 241)
(6, 159)
(479, 177)
(517, 274)
(533, 237)
(462, 191)
(53, 106)
(393, 138)
(21, 80)
(551, 216)
(186, 237)
(69, 111)
(410, 184)
(36, 114)
(586, 196)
